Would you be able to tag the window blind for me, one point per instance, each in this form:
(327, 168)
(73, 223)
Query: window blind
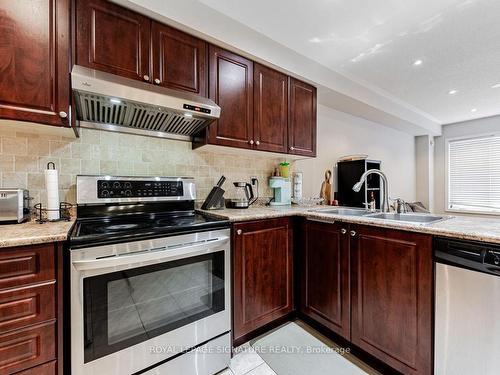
(474, 174)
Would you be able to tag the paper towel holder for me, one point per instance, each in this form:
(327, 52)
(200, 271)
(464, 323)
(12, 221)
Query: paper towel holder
(64, 212)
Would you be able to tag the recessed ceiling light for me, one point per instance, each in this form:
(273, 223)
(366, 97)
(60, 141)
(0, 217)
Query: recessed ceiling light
(452, 92)
(116, 101)
(417, 62)
(496, 86)
(188, 114)
(473, 110)
(315, 40)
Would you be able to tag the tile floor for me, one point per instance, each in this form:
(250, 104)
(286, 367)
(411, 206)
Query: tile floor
(249, 362)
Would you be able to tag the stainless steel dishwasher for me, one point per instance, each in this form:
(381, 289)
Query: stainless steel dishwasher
(467, 316)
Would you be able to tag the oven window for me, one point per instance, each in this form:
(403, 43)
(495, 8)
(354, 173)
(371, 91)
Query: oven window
(127, 307)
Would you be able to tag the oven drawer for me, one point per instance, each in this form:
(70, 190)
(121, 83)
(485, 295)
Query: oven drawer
(23, 349)
(26, 265)
(207, 359)
(25, 306)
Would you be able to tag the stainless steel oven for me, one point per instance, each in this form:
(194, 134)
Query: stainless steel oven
(136, 307)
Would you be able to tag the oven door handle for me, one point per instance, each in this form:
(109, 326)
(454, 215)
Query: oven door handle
(153, 255)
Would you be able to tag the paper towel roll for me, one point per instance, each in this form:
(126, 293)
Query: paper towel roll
(52, 186)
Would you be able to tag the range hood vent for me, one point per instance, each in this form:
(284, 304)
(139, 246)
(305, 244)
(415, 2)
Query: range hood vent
(109, 102)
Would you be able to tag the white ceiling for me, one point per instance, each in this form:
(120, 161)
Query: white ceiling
(375, 42)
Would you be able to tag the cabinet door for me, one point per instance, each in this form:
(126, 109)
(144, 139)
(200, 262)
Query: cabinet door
(262, 273)
(179, 60)
(34, 61)
(302, 119)
(392, 297)
(112, 39)
(325, 292)
(231, 82)
(270, 109)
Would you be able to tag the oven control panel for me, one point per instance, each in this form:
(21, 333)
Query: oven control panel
(139, 189)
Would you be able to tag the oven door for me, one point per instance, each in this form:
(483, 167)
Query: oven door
(139, 305)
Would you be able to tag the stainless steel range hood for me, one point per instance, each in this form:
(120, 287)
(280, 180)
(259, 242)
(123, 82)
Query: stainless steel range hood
(109, 102)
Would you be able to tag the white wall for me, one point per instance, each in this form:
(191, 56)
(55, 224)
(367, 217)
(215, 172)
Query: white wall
(341, 134)
(461, 129)
(424, 152)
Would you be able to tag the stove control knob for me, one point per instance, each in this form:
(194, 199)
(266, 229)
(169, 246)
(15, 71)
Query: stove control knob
(128, 185)
(496, 260)
(117, 185)
(128, 193)
(104, 185)
(105, 193)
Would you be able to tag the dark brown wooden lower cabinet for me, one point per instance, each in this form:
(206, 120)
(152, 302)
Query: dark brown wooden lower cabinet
(392, 297)
(262, 275)
(46, 369)
(23, 349)
(31, 310)
(324, 275)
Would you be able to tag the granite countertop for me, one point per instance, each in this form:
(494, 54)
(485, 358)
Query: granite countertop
(31, 233)
(469, 228)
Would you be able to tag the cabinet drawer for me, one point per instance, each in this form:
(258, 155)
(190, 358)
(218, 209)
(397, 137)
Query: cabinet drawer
(26, 306)
(26, 348)
(26, 265)
(46, 369)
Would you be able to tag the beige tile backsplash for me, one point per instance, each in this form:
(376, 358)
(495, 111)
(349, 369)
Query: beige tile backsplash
(24, 157)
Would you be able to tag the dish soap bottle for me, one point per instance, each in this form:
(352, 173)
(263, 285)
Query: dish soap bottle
(372, 206)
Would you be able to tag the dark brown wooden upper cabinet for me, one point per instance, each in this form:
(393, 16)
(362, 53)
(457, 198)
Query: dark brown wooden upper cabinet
(34, 61)
(113, 39)
(270, 109)
(231, 87)
(179, 60)
(324, 275)
(302, 119)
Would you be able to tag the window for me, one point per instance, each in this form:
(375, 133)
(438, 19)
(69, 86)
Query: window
(474, 175)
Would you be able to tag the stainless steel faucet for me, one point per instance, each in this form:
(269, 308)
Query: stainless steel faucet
(384, 205)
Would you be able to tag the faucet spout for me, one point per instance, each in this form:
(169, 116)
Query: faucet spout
(384, 205)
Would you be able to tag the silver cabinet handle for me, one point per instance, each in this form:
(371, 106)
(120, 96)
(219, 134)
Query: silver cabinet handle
(239, 232)
(257, 143)
(146, 77)
(292, 148)
(250, 141)
(343, 231)
(352, 233)
(157, 81)
(63, 114)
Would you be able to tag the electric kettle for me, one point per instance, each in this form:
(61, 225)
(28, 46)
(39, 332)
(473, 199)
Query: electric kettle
(244, 195)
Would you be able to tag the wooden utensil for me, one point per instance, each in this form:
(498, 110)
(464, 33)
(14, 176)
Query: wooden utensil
(326, 188)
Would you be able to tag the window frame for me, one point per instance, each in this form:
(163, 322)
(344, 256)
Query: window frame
(493, 212)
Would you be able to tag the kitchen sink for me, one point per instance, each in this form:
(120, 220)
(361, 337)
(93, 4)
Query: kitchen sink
(409, 218)
(344, 211)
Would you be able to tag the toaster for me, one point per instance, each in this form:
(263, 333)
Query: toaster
(14, 205)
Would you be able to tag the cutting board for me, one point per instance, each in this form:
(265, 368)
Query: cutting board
(326, 188)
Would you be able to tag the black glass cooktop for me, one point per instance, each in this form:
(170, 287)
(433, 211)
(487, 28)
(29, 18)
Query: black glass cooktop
(96, 231)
